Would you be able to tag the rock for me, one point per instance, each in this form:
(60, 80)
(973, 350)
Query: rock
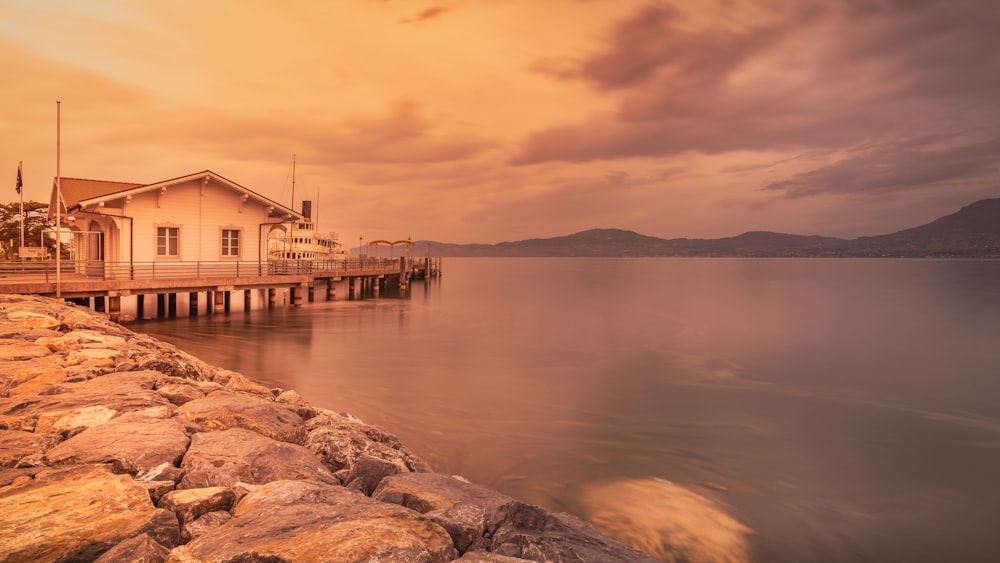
(297, 520)
(84, 339)
(77, 513)
(119, 391)
(73, 421)
(191, 504)
(221, 410)
(203, 525)
(18, 351)
(222, 459)
(30, 319)
(486, 557)
(465, 523)
(139, 549)
(180, 393)
(157, 489)
(367, 473)
(425, 492)
(667, 520)
(16, 445)
(20, 377)
(529, 532)
(342, 440)
(133, 446)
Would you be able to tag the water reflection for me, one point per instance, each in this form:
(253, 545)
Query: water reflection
(843, 409)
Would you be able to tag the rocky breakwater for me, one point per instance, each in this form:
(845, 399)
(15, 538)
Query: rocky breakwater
(117, 447)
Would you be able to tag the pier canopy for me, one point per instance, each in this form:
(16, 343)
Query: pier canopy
(392, 244)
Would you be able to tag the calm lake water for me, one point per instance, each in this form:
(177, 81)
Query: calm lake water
(850, 409)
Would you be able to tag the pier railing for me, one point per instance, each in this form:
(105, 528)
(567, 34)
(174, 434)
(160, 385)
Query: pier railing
(45, 270)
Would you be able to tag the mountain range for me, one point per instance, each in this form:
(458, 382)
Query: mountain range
(971, 232)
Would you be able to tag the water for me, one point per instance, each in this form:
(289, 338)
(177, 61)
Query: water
(845, 410)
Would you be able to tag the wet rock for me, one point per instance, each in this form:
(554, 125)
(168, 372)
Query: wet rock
(221, 410)
(667, 520)
(134, 446)
(342, 440)
(77, 513)
(228, 457)
(297, 520)
(140, 549)
(529, 532)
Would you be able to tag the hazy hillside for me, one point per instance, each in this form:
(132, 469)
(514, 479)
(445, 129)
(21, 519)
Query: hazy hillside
(972, 232)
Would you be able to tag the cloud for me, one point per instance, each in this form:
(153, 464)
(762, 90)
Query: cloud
(896, 166)
(800, 76)
(428, 14)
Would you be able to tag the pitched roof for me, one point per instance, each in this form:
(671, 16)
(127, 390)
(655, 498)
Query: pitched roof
(78, 193)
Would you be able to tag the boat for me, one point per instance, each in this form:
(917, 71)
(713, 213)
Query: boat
(303, 242)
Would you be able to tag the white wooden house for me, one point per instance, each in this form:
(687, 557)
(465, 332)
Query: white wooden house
(200, 217)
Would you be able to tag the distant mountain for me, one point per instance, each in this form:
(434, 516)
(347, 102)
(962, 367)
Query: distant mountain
(971, 232)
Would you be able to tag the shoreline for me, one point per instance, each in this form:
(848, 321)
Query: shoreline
(116, 446)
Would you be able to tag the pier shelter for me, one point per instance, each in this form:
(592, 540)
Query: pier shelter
(199, 217)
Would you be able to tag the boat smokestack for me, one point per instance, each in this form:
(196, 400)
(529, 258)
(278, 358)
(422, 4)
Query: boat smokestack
(307, 208)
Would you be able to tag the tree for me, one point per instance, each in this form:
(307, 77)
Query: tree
(35, 224)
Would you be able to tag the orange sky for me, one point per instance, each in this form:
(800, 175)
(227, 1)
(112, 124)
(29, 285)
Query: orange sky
(494, 120)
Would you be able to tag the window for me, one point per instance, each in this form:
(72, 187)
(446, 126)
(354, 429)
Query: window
(168, 241)
(230, 243)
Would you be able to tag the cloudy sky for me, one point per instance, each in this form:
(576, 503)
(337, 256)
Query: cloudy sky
(494, 120)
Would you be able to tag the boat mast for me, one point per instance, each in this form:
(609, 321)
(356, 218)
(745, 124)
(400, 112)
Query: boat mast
(293, 182)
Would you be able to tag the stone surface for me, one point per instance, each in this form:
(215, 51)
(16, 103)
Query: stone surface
(298, 521)
(204, 524)
(425, 492)
(221, 410)
(341, 440)
(119, 391)
(139, 549)
(16, 445)
(191, 504)
(73, 421)
(134, 446)
(222, 459)
(465, 523)
(529, 532)
(77, 513)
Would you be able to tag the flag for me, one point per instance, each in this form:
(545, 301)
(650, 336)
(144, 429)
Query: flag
(18, 187)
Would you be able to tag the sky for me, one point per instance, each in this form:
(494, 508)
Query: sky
(482, 121)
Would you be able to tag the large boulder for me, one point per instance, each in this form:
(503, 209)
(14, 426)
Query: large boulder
(342, 440)
(134, 444)
(76, 514)
(221, 410)
(300, 521)
(16, 445)
(228, 457)
(529, 532)
(120, 392)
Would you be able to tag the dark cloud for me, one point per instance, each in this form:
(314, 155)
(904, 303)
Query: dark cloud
(809, 75)
(428, 14)
(891, 167)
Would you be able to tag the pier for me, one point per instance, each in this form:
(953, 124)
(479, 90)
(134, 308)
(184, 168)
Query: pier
(104, 285)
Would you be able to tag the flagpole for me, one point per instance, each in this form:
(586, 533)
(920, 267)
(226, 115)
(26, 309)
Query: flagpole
(58, 205)
(20, 191)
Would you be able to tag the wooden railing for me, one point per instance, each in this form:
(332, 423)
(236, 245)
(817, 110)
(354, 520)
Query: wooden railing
(45, 270)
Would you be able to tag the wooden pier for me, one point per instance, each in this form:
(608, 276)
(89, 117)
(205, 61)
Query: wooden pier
(103, 285)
